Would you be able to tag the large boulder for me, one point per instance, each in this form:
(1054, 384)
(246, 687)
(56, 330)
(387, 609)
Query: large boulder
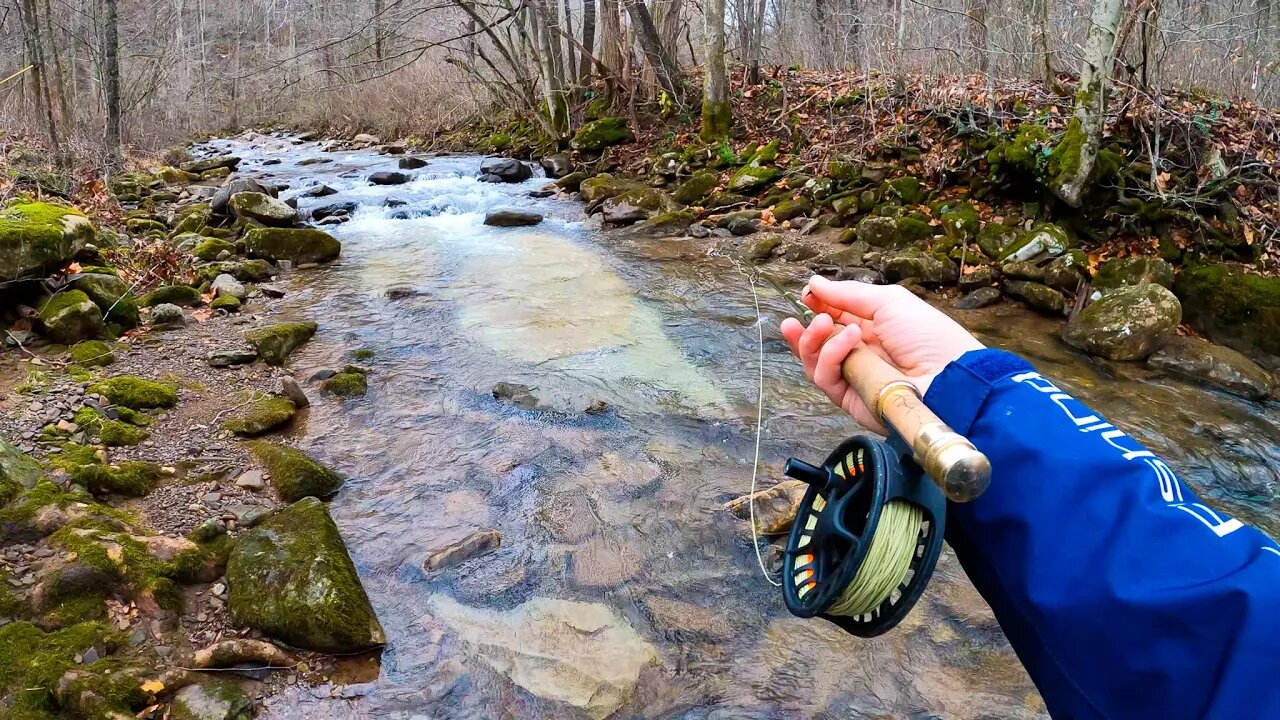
(1128, 323)
(1233, 307)
(636, 205)
(389, 177)
(69, 317)
(557, 165)
(599, 134)
(262, 208)
(577, 653)
(275, 343)
(506, 169)
(511, 217)
(1214, 365)
(294, 474)
(758, 172)
(37, 238)
(599, 188)
(112, 297)
(292, 579)
(923, 268)
(218, 203)
(212, 163)
(298, 245)
(17, 470)
(1119, 272)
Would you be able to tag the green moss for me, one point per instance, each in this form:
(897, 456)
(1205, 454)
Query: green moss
(363, 354)
(92, 353)
(275, 343)
(213, 247)
(226, 302)
(1233, 307)
(717, 120)
(143, 226)
(497, 142)
(123, 557)
(33, 661)
(136, 393)
(960, 222)
(912, 230)
(114, 433)
(133, 478)
(262, 414)
(111, 296)
(298, 245)
(693, 190)
(10, 605)
(1064, 160)
(209, 553)
(99, 270)
(35, 237)
(907, 189)
(1023, 152)
(192, 220)
(72, 455)
(182, 295)
(844, 171)
(600, 134)
(134, 417)
(61, 302)
(294, 474)
(347, 385)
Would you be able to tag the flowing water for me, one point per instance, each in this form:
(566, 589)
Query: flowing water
(620, 510)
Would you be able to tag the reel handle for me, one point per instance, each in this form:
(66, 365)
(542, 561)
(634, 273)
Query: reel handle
(958, 468)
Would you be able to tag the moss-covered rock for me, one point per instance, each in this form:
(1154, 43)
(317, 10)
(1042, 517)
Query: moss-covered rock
(133, 478)
(1043, 241)
(260, 414)
(907, 190)
(599, 134)
(1023, 153)
(1118, 272)
(912, 230)
(572, 181)
(146, 226)
(262, 208)
(181, 295)
(1128, 323)
(347, 384)
(192, 220)
(92, 353)
(176, 176)
(792, 208)
(1233, 307)
(636, 205)
(758, 172)
(1037, 295)
(697, 187)
(213, 699)
(204, 165)
(291, 578)
(229, 303)
(294, 474)
(136, 393)
(995, 238)
(33, 661)
(275, 343)
(298, 245)
(37, 238)
(17, 469)
(69, 317)
(111, 295)
(600, 187)
(211, 248)
(1068, 271)
(960, 222)
(668, 224)
(878, 231)
(924, 268)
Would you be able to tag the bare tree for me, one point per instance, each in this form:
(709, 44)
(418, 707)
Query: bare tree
(655, 54)
(588, 40)
(716, 113)
(111, 79)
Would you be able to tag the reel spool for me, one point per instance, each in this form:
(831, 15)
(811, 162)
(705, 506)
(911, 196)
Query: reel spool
(866, 538)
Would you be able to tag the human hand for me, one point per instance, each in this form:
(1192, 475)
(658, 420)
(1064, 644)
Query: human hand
(910, 334)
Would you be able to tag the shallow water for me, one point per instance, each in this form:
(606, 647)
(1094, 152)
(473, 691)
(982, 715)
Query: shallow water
(621, 508)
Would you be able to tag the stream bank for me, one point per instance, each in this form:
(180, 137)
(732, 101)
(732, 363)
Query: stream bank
(623, 362)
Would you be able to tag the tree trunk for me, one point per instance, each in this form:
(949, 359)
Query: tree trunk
(1040, 42)
(983, 48)
(756, 54)
(588, 40)
(379, 53)
(1073, 159)
(655, 55)
(28, 12)
(545, 19)
(570, 56)
(611, 44)
(59, 75)
(717, 115)
(900, 23)
(111, 80)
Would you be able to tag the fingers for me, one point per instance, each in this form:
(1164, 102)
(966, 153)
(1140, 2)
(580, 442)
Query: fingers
(811, 340)
(792, 329)
(861, 299)
(827, 374)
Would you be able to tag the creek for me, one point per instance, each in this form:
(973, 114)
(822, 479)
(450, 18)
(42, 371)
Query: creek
(620, 583)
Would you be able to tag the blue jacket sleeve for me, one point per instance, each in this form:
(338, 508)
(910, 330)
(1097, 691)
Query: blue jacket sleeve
(1122, 593)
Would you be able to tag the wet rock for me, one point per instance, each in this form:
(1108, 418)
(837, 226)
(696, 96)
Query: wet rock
(508, 217)
(229, 653)
(925, 269)
(400, 292)
(516, 394)
(1038, 296)
(1233, 307)
(477, 543)
(389, 177)
(1067, 272)
(319, 191)
(1214, 365)
(636, 205)
(507, 170)
(211, 700)
(292, 390)
(670, 224)
(775, 507)
(1128, 323)
(291, 578)
(557, 165)
(69, 317)
(978, 277)
(571, 182)
(263, 208)
(273, 291)
(276, 342)
(332, 209)
(231, 358)
(1119, 272)
(410, 162)
(347, 384)
(980, 298)
(742, 226)
(227, 286)
(580, 654)
(166, 315)
(761, 248)
(297, 245)
(1022, 271)
(218, 204)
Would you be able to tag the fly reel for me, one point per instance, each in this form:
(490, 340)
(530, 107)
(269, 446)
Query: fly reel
(866, 537)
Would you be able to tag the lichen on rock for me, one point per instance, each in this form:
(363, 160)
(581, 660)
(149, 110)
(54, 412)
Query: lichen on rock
(1128, 323)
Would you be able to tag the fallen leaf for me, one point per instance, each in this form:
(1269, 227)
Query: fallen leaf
(152, 687)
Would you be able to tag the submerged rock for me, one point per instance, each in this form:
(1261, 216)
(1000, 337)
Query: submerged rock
(508, 217)
(980, 298)
(1214, 365)
(297, 245)
(775, 507)
(580, 654)
(1128, 323)
(291, 578)
(476, 543)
